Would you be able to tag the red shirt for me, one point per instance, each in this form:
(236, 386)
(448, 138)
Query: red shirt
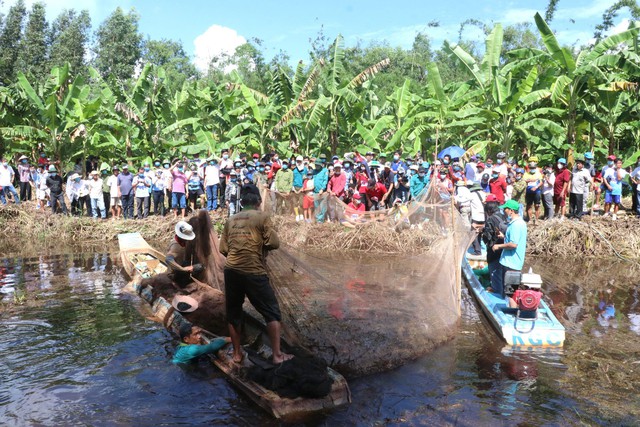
(337, 184)
(562, 177)
(352, 208)
(362, 180)
(498, 188)
(378, 191)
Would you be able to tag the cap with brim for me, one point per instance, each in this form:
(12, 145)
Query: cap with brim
(611, 157)
(369, 153)
(491, 198)
(337, 165)
(460, 183)
(184, 230)
(387, 165)
(383, 155)
(52, 168)
(475, 187)
(562, 160)
(588, 155)
(356, 196)
(322, 157)
(299, 158)
(116, 167)
(233, 172)
(480, 165)
(23, 157)
(184, 303)
(511, 204)
(94, 172)
(256, 156)
(125, 166)
(375, 164)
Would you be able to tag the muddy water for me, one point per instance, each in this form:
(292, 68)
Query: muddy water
(74, 350)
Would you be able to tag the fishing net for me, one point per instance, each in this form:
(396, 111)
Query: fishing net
(390, 300)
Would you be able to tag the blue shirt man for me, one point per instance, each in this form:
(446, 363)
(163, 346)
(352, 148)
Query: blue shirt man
(191, 348)
(419, 183)
(515, 239)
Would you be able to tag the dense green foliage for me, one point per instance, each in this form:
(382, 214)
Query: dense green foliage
(522, 92)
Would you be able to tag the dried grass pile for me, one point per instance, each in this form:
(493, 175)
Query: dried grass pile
(372, 236)
(592, 237)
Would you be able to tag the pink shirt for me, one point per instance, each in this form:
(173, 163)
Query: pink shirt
(337, 184)
(179, 182)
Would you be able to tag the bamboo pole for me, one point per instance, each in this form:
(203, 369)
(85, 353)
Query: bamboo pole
(456, 260)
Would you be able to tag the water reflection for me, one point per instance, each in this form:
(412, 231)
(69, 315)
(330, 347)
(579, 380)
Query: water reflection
(76, 352)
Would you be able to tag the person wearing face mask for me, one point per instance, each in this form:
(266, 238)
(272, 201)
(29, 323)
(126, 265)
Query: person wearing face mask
(78, 194)
(25, 178)
(580, 179)
(320, 181)
(515, 244)
(157, 193)
(283, 188)
(561, 187)
(178, 189)
(336, 187)
(361, 179)
(519, 189)
(211, 183)
(106, 191)
(299, 173)
(6, 182)
(533, 178)
(232, 195)
(501, 165)
(225, 165)
(142, 185)
(446, 160)
(397, 162)
(126, 190)
(444, 186)
(95, 195)
(54, 184)
(41, 187)
(612, 181)
(261, 178)
(167, 177)
(548, 182)
(114, 193)
(498, 185)
(419, 182)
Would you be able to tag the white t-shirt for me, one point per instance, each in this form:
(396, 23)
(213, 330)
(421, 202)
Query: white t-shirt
(6, 176)
(95, 188)
(211, 175)
(112, 182)
(548, 187)
(501, 169)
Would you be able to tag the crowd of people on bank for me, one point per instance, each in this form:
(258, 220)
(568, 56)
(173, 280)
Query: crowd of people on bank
(364, 182)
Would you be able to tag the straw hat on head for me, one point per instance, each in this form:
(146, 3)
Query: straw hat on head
(184, 303)
(184, 231)
(23, 157)
(94, 172)
(74, 176)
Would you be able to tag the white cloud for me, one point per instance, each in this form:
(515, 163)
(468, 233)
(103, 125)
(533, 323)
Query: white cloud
(595, 9)
(516, 16)
(215, 41)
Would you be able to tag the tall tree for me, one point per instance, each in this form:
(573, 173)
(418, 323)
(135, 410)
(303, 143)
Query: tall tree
(10, 41)
(118, 45)
(68, 39)
(171, 56)
(32, 58)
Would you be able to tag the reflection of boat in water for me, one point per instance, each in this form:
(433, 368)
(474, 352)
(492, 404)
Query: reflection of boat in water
(543, 331)
(142, 261)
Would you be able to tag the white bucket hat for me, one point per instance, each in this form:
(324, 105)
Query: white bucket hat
(185, 231)
(184, 303)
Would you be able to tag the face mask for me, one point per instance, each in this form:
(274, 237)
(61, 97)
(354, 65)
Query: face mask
(24, 161)
(499, 161)
(77, 180)
(337, 172)
(261, 169)
(53, 173)
(443, 175)
(237, 165)
(141, 175)
(42, 155)
(610, 163)
(225, 156)
(518, 178)
(180, 169)
(156, 164)
(347, 166)
(146, 169)
(533, 165)
(104, 173)
(211, 163)
(494, 176)
(233, 179)
(456, 168)
(362, 168)
(4, 164)
(396, 158)
(560, 165)
(285, 167)
(166, 166)
(356, 201)
(446, 162)
(275, 158)
(420, 175)
(251, 169)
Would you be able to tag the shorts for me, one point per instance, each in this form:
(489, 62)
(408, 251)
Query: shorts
(532, 198)
(307, 202)
(610, 198)
(559, 200)
(193, 195)
(41, 194)
(178, 200)
(115, 201)
(237, 285)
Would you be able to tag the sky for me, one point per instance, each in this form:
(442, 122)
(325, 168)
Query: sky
(207, 28)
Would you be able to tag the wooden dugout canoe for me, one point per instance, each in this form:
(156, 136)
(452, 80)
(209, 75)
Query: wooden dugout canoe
(140, 260)
(545, 332)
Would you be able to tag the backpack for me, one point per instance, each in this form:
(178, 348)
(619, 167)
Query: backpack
(528, 300)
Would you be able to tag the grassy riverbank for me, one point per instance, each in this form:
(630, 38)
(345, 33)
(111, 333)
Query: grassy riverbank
(592, 237)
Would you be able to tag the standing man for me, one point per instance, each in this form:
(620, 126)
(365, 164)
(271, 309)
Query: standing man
(245, 241)
(320, 181)
(95, 195)
(612, 180)
(498, 185)
(6, 181)
(211, 183)
(54, 184)
(533, 177)
(114, 193)
(125, 188)
(142, 185)
(515, 242)
(24, 173)
(580, 180)
(561, 187)
(226, 165)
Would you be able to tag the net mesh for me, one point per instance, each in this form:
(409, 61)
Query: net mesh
(392, 299)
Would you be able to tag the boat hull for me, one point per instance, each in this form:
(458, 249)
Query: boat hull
(545, 331)
(280, 407)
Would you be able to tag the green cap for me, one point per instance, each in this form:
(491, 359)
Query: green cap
(382, 155)
(104, 166)
(511, 204)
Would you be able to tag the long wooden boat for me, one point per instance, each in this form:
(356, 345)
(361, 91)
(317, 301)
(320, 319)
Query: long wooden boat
(140, 260)
(545, 331)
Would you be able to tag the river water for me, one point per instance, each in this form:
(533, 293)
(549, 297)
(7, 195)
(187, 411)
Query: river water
(75, 350)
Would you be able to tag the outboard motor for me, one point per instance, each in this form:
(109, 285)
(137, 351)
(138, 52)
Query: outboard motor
(512, 280)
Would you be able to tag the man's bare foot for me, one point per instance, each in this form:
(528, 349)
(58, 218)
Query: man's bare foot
(282, 358)
(238, 358)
